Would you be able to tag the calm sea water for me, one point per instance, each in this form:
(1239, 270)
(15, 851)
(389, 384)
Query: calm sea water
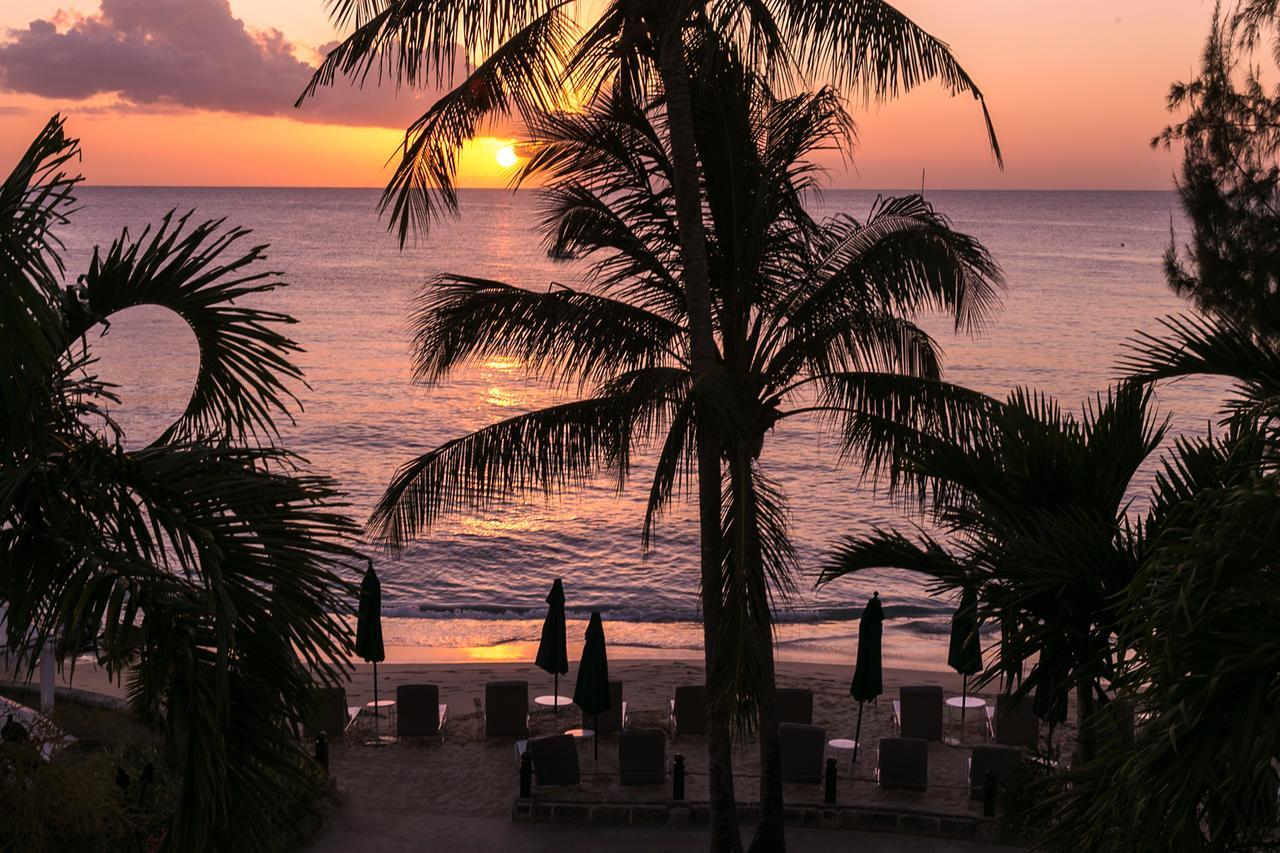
(1083, 273)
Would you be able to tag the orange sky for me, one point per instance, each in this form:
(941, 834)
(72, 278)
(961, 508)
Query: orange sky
(1076, 90)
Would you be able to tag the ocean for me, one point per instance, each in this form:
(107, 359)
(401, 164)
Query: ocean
(1083, 272)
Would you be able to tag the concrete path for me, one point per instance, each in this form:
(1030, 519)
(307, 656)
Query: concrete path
(356, 830)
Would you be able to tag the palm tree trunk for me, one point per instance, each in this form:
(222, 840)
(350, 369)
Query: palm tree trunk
(770, 834)
(703, 353)
(725, 837)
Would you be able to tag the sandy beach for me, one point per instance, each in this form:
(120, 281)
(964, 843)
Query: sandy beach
(465, 775)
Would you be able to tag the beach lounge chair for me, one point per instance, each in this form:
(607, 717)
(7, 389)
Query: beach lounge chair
(613, 720)
(506, 709)
(1013, 722)
(795, 705)
(918, 712)
(803, 749)
(419, 712)
(689, 711)
(642, 757)
(903, 764)
(330, 714)
(555, 760)
(1004, 760)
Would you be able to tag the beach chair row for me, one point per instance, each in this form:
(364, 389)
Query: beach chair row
(420, 713)
(902, 764)
(917, 712)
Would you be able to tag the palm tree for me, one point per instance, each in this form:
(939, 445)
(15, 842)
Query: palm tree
(1198, 772)
(1033, 502)
(203, 567)
(533, 60)
(810, 315)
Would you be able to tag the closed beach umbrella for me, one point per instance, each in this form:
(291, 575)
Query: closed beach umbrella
(369, 630)
(553, 649)
(591, 693)
(965, 652)
(868, 671)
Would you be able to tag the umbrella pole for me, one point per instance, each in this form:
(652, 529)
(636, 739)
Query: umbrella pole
(556, 690)
(857, 736)
(595, 738)
(377, 735)
(964, 701)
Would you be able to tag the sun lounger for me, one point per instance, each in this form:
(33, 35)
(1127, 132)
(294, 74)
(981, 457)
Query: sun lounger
(1004, 760)
(555, 760)
(795, 705)
(419, 712)
(610, 721)
(330, 714)
(642, 757)
(903, 764)
(803, 748)
(689, 711)
(917, 712)
(506, 709)
(1013, 722)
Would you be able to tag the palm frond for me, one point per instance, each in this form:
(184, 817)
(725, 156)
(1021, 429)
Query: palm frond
(35, 197)
(1220, 347)
(199, 274)
(561, 333)
(884, 419)
(871, 46)
(881, 549)
(674, 470)
(414, 42)
(521, 76)
(542, 452)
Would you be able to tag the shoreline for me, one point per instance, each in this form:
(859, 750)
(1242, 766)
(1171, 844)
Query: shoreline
(463, 679)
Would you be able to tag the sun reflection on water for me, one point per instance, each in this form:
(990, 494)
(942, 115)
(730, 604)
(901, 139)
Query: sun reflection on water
(502, 397)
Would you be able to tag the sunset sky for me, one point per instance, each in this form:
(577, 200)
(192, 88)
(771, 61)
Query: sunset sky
(199, 92)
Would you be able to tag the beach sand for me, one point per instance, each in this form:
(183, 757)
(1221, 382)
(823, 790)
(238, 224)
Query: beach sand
(465, 775)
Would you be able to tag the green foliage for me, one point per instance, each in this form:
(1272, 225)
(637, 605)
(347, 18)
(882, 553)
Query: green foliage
(1230, 180)
(1202, 683)
(71, 803)
(75, 801)
(1032, 502)
(202, 569)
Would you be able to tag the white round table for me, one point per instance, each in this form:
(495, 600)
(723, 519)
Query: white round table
(843, 744)
(553, 701)
(581, 733)
(964, 704)
(383, 707)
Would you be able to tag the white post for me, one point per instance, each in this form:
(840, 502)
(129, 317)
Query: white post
(46, 678)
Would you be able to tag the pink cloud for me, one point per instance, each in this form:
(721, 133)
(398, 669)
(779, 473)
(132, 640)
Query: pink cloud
(175, 55)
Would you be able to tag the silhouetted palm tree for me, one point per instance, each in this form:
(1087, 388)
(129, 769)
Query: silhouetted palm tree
(1198, 771)
(810, 315)
(202, 566)
(1033, 503)
(535, 60)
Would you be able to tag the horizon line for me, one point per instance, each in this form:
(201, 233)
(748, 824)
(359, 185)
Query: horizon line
(927, 190)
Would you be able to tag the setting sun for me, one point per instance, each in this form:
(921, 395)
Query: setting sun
(506, 156)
